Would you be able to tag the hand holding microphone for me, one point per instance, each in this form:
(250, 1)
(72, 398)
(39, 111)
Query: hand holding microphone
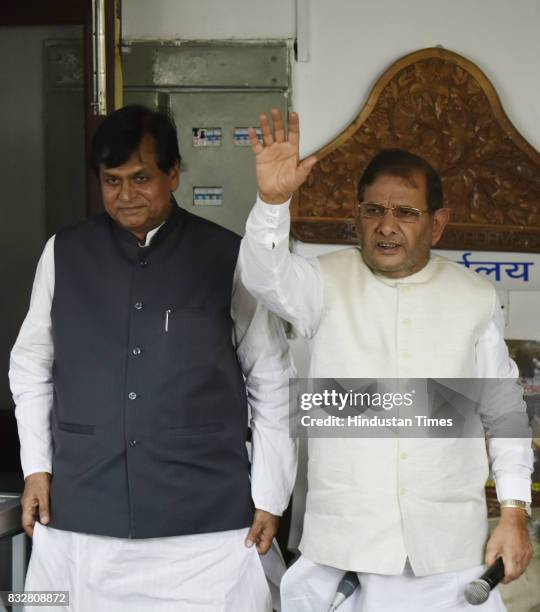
(477, 591)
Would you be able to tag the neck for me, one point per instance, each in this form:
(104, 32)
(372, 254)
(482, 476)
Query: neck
(395, 274)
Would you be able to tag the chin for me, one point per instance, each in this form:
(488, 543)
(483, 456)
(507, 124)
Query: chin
(131, 227)
(387, 266)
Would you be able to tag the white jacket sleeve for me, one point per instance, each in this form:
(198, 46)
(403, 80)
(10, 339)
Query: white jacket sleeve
(511, 459)
(287, 284)
(264, 356)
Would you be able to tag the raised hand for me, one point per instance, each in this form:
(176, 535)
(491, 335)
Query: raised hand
(279, 172)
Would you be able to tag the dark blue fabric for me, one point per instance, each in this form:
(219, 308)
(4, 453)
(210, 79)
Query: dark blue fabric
(150, 412)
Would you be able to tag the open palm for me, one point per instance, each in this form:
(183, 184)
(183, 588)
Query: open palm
(278, 170)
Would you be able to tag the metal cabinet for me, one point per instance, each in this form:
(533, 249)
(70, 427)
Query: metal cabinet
(215, 92)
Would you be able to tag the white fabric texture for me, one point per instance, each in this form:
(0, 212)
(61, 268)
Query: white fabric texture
(308, 587)
(199, 573)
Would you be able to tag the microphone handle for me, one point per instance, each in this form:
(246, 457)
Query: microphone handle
(348, 583)
(345, 589)
(494, 573)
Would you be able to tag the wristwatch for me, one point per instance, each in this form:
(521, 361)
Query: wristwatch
(516, 503)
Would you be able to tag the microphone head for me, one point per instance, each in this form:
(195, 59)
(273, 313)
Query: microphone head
(477, 592)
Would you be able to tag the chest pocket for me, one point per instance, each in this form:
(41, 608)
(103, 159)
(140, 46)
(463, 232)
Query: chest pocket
(194, 338)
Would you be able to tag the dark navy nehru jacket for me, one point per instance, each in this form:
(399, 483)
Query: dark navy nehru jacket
(150, 413)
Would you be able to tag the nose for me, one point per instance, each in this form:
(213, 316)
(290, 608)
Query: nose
(388, 224)
(126, 191)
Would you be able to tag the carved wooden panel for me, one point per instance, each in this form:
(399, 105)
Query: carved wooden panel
(440, 106)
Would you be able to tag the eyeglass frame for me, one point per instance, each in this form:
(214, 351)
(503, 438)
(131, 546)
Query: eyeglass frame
(417, 211)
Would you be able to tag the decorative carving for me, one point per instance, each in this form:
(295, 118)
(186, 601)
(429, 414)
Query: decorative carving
(441, 106)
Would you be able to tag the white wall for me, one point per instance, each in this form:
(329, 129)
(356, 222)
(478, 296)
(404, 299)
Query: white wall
(352, 42)
(208, 19)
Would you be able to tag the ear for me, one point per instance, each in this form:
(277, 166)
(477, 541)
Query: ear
(358, 224)
(440, 220)
(174, 177)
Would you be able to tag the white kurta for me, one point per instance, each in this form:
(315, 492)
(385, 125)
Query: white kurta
(210, 572)
(294, 288)
(381, 499)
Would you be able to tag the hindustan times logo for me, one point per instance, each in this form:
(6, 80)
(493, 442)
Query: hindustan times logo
(336, 399)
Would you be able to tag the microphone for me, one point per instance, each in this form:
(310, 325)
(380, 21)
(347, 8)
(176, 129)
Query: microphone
(345, 589)
(477, 591)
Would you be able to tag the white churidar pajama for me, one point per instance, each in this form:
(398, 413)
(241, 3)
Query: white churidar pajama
(309, 587)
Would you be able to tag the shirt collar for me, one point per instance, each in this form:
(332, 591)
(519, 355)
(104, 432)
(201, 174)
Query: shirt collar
(150, 235)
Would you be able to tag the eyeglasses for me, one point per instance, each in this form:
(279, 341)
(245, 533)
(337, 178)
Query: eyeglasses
(374, 210)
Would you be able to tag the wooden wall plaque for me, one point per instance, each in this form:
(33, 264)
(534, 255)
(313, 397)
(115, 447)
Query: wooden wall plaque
(440, 106)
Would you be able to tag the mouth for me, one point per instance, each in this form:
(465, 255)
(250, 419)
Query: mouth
(388, 247)
(130, 209)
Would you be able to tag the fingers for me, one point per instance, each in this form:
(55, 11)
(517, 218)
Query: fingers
(273, 130)
(305, 167)
(279, 128)
(44, 510)
(515, 564)
(516, 556)
(265, 541)
(491, 555)
(28, 520)
(35, 501)
(294, 129)
(255, 143)
(260, 534)
(266, 130)
(262, 531)
(253, 535)
(256, 533)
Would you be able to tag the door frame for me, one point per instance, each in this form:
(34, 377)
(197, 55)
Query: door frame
(76, 12)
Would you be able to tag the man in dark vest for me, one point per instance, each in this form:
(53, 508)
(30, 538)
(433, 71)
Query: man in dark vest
(133, 375)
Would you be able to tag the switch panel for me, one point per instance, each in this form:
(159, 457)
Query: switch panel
(206, 137)
(207, 196)
(241, 138)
